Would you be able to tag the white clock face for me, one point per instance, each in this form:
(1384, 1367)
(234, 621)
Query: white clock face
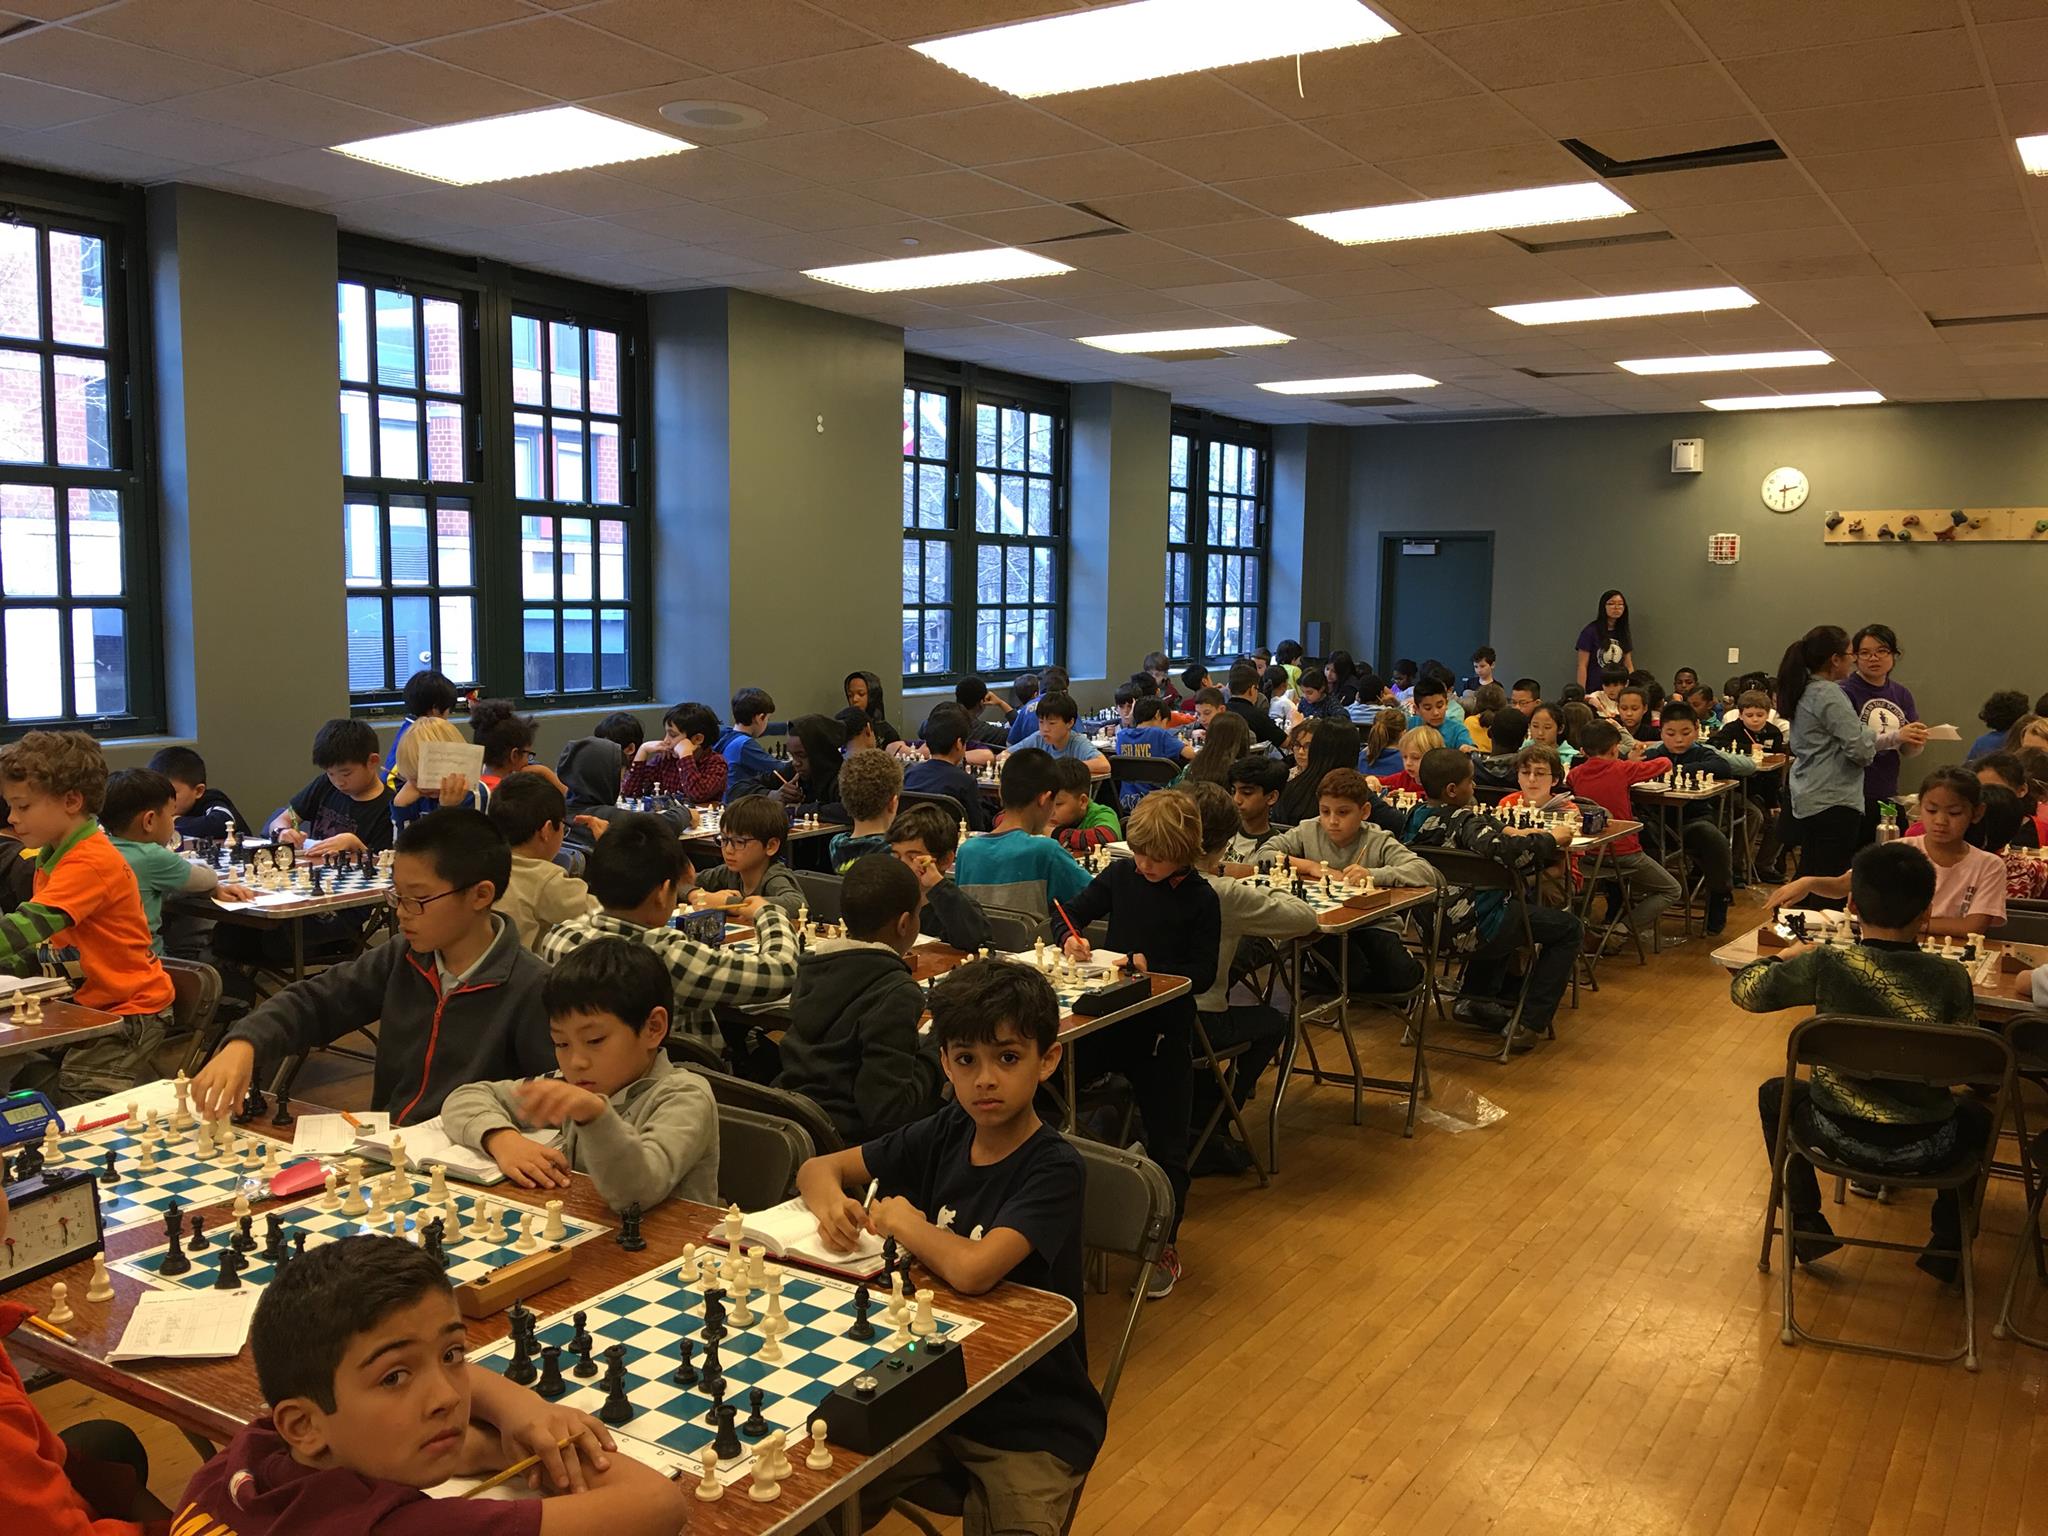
(1785, 490)
(58, 1225)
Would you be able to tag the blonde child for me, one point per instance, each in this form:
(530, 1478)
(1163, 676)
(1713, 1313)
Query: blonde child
(410, 801)
(1415, 741)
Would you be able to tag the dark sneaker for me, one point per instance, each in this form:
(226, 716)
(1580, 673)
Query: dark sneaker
(1480, 1013)
(1813, 1239)
(1165, 1275)
(1717, 912)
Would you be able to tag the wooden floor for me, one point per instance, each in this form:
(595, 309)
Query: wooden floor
(1551, 1323)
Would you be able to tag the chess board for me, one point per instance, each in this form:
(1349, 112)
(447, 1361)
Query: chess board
(469, 1258)
(138, 1195)
(652, 1314)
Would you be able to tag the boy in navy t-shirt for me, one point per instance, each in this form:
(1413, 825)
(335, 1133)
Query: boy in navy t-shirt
(1148, 736)
(982, 1192)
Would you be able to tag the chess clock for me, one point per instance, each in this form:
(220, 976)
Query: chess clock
(54, 1223)
(1784, 489)
(24, 1116)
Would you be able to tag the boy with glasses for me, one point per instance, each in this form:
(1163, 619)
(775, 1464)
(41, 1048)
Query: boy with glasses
(749, 840)
(459, 1001)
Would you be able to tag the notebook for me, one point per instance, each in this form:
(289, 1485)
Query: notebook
(427, 1143)
(790, 1231)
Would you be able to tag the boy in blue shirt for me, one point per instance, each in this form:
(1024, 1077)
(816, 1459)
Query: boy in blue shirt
(1148, 736)
(945, 772)
(1056, 735)
(750, 768)
(1017, 865)
(1432, 708)
(1024, 719)
(428, 695)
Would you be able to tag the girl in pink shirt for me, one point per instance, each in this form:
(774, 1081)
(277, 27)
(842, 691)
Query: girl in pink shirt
(1969, 883)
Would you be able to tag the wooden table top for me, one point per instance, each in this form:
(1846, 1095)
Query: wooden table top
(1613, 832)
(2007, 991)
(214, 1398)
(64, 1023)
(796, 834)
(1656, 790)
(203, 904)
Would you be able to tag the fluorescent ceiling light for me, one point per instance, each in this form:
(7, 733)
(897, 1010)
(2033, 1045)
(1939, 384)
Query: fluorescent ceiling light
(1198, 340)
(1794, 402)
(1149, 40)
(523, 144)
(999, 264)
(1626, 306)
(2034, 153)
(1727, 362)
(1360, 385)
(1467, 215)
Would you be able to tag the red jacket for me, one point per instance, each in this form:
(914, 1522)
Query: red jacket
(1606, 780)
(36, 1487)
(698, 778)
(255, 1488)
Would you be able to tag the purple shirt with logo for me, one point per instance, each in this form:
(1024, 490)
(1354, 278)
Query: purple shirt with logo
(1884, 710)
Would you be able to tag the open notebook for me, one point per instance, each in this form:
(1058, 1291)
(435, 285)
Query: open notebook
(790, 1231)
(426, 1144)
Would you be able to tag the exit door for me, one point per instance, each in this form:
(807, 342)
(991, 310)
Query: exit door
(1436, 598)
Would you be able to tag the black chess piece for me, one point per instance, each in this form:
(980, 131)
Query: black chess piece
(714, 1314)
(725, 1442)
(298, 1245)
(273, 1237)
(520, 1370)
(198, 1237)
(431, 1241)
(579, 1341)
(518, 1318)
(253, 1105)
(629, 1237)
(229, 1275)
(714, 1373)
(617, 1408)
(175, 1262)
(889, 1252)
(109, 1174)
(755, 1426)
(550, 1385)
(863, 1304)
(174, 1217)
(244, 1241)
(614, 1361)
(686, 1371)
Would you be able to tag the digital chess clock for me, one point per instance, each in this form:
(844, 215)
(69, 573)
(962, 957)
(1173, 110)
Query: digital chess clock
(24, 1115)
(54, 1223)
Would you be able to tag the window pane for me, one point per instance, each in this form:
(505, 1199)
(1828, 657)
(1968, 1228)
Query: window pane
(611, 561)
(604, 463)
(576, 558)
(362, 559)
(397, 356)
(988, 575)
(537, 557)
(410, 562)
(984, 503)
(525, 360)
(365, 644)
(909, 422)
(20, 283)
(355, 433)
(909, 494)
(33, 690)
(1177, 517)
(910, 633)
(938, 643)
(931, 496)
(913, 571)
(1017, 637)
(99, 661)
(540, 650)
(604, 373)
(398, 437)
(527, 481)
(565, 358)
(1179, 470)
(444, 440)
(1039, 510)
(352, 325)
(1248, 477)
(78, 289)
(28, 543)
(451, 533)
(1225, 517)
(1041, 444)
(412, 634)
(442, 321)
(95, 543)
(1041, 575)
(1017, 574)
(985, 436)
(579, 650)
(614, 668)
(988, 639)
(21, 408)
(1012, 503)
(931, 425)
(568, 458)
(1041, 638)
(938, 572)
(458, 639)
(1015, 434)
(1213, 591)
(1251, 578)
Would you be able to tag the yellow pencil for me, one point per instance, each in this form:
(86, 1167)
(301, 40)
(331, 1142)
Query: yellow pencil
(50, 1328)
(525, 1464)
(353, 1123)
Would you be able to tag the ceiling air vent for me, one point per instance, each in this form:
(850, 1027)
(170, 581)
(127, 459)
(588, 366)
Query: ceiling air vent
(1563, 373)
(1108, 225)
(1685, 160)
(1948, 322)
(1590, 242)
(1370, 402)
(1480, 413)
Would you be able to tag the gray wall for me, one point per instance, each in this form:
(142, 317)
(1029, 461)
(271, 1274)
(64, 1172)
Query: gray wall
(1578, 506)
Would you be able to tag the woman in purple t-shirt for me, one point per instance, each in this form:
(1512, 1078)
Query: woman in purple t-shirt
(1888, 709)
(1606, 642)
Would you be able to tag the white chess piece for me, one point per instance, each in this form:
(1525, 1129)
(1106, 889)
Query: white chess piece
(895, 1312)
(924, 1324)
(52, 1143)
(757, 1267)
(765, 1489)
(820, 1459)
(269, 1161)
(554, 1231)
(736, 1290)
(202, 1143)
(378, 1206)
(777, 1446)
(437, 1185)
(181, 1117)
(708, 1485)
(353, 1203)
(102, 1285)
(770, 1348)
(60, 1304)
(526, 1242)
(134, 1121)
(329, 1200)
(451, 1217)
(145, 1155)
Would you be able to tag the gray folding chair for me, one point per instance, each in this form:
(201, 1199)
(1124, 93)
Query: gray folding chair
(194, 1003)
(1127, 1210)
(1885, 1050)
(758, 1156)
(2028, 1037)
(780, 1103)
(2026, 922)
(1010, 930)
(1463, 870)
(821, 894)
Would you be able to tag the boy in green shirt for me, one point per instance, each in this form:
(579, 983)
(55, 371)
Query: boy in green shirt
(1079, 820)
(139, 815)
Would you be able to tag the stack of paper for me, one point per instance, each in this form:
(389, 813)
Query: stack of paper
(187, 1325)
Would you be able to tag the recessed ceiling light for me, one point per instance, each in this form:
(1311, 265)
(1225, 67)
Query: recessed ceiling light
(2034, 153)
(1363, 383)
(1626, 306)
(1198, 340)
(1149, 40)
(1726, 362)
(998, 264)
(714, 116)
(1794, 402)
(522, 144)
(1435, 216)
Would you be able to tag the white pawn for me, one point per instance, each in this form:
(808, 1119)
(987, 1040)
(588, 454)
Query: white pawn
(329, 1200)
(60, 1304)
(554, 1231)
(820, 1459)
(375, 1213)
(742, 1314)
(202, 1143)
(437, 1185)
(241, 1205)
(134, 1121)
(145, 1155)
(770, 1348)
(708, 1485)
(924, 1324)
(269, 1161)
(102, 1285)
(525, 1242)
(52, 1146)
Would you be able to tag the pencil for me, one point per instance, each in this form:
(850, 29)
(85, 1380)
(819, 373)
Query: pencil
(50, 1328)
(1066, 919)
(353, 1122)
(524, 1464)
(97, 1125)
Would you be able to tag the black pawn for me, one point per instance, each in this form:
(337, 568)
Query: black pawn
(756, 1426)
(579, 1341)
(686, 1372)
(110, 1175)
(198, 1237)
(550, 1385)
(713, 1370)
(585, 1367)
(519, 1370)
(629, 1237)
(725, 1442)
(617, 1408)
(298, 1246)
(244, 1241)
(175, 1262)
(862, 1329)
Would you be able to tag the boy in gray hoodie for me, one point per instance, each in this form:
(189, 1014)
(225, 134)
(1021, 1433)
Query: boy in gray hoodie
(642, 1129)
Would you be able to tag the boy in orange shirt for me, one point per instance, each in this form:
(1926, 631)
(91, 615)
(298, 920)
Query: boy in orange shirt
(84, 918)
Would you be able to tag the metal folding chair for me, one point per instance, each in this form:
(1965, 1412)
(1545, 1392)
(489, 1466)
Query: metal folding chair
(194, 1004)
(1463, 870)
(2028, 1037)
(779, 1103)
(1222, 1065)
(758, 1156)
(821, 894)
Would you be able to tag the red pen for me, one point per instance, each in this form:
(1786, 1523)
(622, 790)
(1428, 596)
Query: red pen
(1067, 920)
(98, 1125)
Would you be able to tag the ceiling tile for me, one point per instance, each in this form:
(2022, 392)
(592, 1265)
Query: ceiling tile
(1027, 225)
(811, 208)
(727, 37)
(940, 194)
(1578, 44)
(863, 85)
(1297, 192)
(699, 224)
(1878, 70)
(160, 131)
(1499, 169)
(104, 66)
(1680, 138)
(1684, 93)
(556, 56)
(1724, 184)
(408, 21)
(1093, 173)
(920, 19)
(838, 155)
(406, 85)
(986, 135)
(1145, 110)
(1182, 208)
(644, 107)
(1389, 133)
(1982, 291)
(1399, 72)
(1934, 202)
(232, 34)
(51, 10)
(2016, 50)
(1281, 149)
(707, 176)
(2025, 106)
(1739, 28)
(32, 104)
(595, 194)
(2007, 10)
(1751, 216)
(1901, 120)
(61, 151)
(598, 236)
(264, 106)
(1912, 165)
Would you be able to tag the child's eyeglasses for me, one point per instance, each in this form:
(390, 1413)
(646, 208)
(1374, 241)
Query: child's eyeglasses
(413, 906)
(735, 840)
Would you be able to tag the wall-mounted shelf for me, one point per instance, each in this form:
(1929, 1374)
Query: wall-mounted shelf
(1938, 525)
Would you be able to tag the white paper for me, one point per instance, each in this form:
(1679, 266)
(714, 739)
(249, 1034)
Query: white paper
(187, 1325)
(438, 759)
(427, 1143)
(327, 1135)
(1943, 733)
(267, 899)
(44, 986)
(161, 1096)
